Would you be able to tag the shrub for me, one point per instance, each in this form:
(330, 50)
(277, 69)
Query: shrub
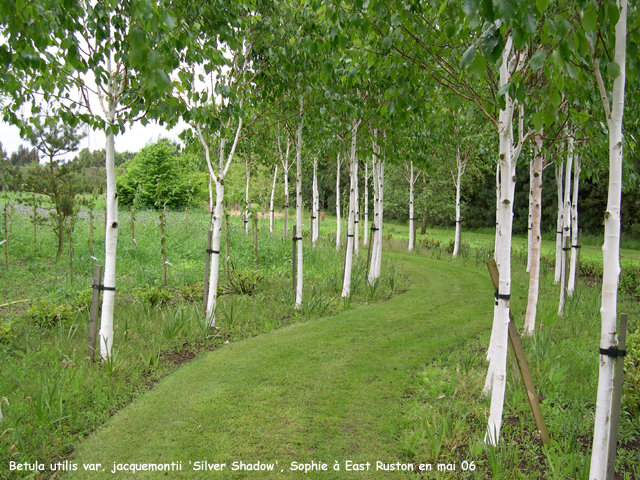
(429, 242)
(49, 314)
(630, 280)
(243, 282)
(632, 373)
(156, 296)
(6, 328)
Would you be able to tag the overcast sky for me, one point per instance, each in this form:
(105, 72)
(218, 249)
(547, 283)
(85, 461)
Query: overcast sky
(132, 140)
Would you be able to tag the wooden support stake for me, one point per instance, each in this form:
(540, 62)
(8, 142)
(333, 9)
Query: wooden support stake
(163, 249)
(205, 289)
(91, 232)
(133, 238)
(522, 362)
(371, 232)
(70, 249)
(94, 312)
(617, 397)
(6, 239)
(255, 240)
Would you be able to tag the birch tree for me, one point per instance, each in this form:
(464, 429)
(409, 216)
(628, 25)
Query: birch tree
(284, 160)
(122, 55)
(613, 111)
(412, 179)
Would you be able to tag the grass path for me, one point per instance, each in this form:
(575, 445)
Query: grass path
(326, 390)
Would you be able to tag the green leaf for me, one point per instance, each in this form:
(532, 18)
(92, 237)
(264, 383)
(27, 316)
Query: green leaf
(542, 5)
(504, 89)
(470, 7)
(537, 60)
(613, 70)
(386, 43)
(613, 12)
(590, 20)
(136, 38)
(537, 120)
(468, 57)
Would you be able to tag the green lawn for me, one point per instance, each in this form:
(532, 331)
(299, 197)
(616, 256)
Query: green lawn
(327, 390)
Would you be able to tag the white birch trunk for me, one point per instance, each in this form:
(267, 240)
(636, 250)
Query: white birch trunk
(299, 211)
(273, 191)
(530, 222)
(356, 194)
(348, 258)
(573, 274)
(366, 202)
(461, 167)
(111, 226)
(503, 259)
(216, 218)
(314, 204)
(216, 228)
(378, 262)
(338, 221)
(536, 236)
(351, 226)
(286, 200)
(285, 167)
(566, 224)
(246, 195)
(559, 224)
(611, 255)
(496, 246)
(376, 211)
(412, 228)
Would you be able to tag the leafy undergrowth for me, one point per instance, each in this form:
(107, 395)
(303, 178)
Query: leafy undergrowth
(55, 396)
(446, 414)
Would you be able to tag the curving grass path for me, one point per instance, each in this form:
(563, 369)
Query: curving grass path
(327, 390)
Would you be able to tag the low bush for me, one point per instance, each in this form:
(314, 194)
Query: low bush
(154, 295)
(46, 313)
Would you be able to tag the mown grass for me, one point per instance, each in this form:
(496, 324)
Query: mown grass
(56, 396)
(329, 390)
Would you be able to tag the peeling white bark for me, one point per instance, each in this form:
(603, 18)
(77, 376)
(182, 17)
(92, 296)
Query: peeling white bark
(610, 253)
(351, 226)
(559, 169)
(378, 177)
(366, 202)
(315, 224)
(111, 227)
(573, 274)
(536, 236)
(299, 210)
(338, 221)
(508, 157)
(461, 164)
(566, 224)
(273, 191)
(530, 222)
